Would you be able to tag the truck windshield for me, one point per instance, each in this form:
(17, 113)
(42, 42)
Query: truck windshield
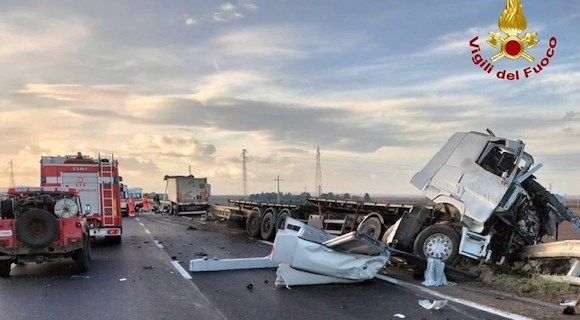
(497, 160)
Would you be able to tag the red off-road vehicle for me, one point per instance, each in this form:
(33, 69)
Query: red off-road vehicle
(42, 225)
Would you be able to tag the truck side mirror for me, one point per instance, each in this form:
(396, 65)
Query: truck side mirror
(87, 209)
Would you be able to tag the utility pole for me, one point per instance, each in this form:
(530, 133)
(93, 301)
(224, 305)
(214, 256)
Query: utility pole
(190, 170)
(244, 174)
(318, 174)
(278, 180)
(11, 173)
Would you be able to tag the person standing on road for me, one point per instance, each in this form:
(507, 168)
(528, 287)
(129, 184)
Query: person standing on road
(146, 207)
(131, 207)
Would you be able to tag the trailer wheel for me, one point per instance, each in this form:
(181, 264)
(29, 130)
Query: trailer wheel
(281, 220)
(36, 228)
(268, 225)
(254, 222)
(371, 226)
(5, 266)
(439, 242)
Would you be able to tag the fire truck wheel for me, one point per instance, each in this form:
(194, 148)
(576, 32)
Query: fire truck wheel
(7, 209)
(268, 226)
(5, 268)
(253, 223)
(36, 228)
(82, 257)
(438, 241)
(281, 220)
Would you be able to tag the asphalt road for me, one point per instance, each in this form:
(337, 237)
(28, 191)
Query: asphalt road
(155, 289)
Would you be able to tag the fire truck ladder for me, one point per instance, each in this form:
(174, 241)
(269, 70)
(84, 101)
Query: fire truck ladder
(107, 194)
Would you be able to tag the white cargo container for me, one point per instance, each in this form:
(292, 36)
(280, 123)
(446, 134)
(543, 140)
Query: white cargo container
(188, 195)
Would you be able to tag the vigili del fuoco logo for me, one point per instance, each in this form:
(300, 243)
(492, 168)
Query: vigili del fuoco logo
(512, 45)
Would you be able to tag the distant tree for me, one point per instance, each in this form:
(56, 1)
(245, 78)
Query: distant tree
(346, 196)
(367, 198)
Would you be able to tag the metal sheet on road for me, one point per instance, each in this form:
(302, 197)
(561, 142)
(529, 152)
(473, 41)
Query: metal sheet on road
(153, 288)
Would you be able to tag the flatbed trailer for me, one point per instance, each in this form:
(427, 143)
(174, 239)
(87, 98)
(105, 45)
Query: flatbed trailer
(334, 216)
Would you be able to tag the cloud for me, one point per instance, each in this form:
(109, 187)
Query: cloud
(27, 33)
(190, 21)
(571, 115)
(228, 11)
(294, 125)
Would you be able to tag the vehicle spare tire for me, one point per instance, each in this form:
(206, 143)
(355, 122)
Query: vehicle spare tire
(36, 228)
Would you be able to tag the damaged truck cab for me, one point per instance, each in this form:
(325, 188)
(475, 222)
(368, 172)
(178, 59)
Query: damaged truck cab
(488, 204)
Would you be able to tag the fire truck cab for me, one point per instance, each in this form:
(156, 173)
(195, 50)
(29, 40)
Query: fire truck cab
(98, 183)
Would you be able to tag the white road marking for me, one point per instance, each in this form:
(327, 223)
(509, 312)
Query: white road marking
(158, 244)
(266, 242)
(141, 223)
(180, 269)
(147, 231)
(471, 304)
(137, 219)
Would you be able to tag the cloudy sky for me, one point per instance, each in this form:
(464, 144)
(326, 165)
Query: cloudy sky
(378, 85)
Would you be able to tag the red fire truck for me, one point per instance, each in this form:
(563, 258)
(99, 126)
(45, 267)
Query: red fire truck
(98, 184)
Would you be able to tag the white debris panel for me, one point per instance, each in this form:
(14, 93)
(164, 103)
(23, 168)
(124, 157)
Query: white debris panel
(306, 255)
(304, 248)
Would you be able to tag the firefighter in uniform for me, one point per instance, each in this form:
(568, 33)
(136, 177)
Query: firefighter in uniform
(131, 207)
(146, 207)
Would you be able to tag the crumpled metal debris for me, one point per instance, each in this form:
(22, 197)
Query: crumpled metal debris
(435, 305)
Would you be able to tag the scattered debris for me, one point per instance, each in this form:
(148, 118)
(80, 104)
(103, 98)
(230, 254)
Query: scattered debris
(148, 268)
(398, 315)
(122, 279)
(250, 287)
(569, 311)
(570, 306)
(435, 274)
(201, 254)
(435, 305)
(191, 228)
(173, 258)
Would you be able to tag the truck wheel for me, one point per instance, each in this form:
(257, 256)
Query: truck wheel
(254, 222)
(268, 226)
(439, 242)
(281, 220)
(5, 266)
(371, 226)
(36, 228)
(82, 257)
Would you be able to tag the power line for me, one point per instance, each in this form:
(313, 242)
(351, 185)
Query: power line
(244, 175)
(318, 174)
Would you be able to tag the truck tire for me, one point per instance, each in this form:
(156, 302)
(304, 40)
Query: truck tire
(371, 226)
(36, 228)
(254, 222)
(438, 241)
(5, 266)
(82, 257)
(7, 209)
(268, 225)
(281, 220)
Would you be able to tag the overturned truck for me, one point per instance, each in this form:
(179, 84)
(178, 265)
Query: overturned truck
(487, 206)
